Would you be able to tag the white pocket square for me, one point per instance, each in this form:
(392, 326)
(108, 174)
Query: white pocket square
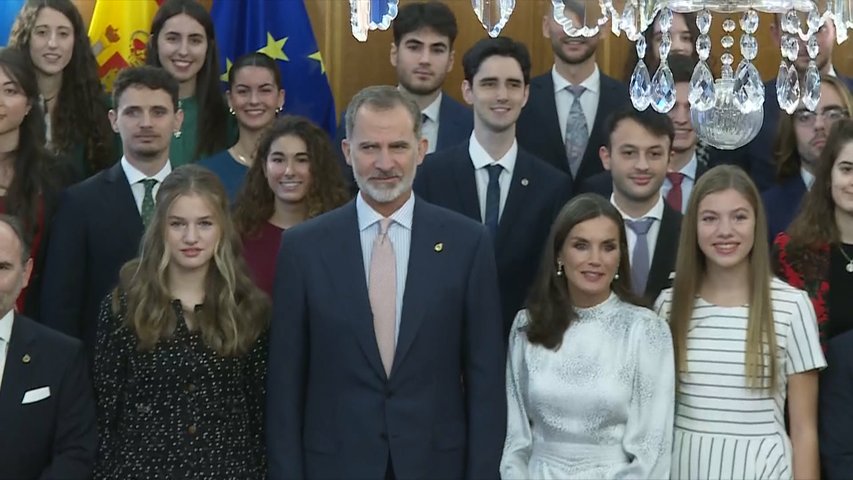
(36, 395)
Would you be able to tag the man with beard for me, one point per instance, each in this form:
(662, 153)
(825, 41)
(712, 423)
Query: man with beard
(564, 117)
(490, 179)
(101, 220)
(757, 157)
(422, 55)
(637, 154)
(386, 357)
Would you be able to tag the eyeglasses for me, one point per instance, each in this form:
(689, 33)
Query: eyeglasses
(829, 115)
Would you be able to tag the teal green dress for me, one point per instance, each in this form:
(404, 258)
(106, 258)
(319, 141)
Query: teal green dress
(183, 149)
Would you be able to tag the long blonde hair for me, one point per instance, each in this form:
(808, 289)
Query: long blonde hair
(234, 312)
(691, 268)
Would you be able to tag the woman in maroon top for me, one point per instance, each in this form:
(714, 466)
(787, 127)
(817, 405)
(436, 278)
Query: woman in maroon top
(295, 177)
(30, 179)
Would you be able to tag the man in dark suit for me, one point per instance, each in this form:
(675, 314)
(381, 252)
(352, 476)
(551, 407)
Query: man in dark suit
(563, 122)
(637, 157)
(101, 220)
(526, 193)
(758, 156)
(386, 356)
(47, 412)
(836, 416)
(422, 54)
(684, 166)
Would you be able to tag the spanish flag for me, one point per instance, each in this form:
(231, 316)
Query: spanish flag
(119, 35)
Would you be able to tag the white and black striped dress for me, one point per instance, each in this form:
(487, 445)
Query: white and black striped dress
(723, 429)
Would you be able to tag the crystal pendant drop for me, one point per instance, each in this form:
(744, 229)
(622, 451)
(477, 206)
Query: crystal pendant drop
(493, 14)
(749, 22)
(641, 46)
(663, 89)
(729, 25)
(782, 87)
(665, 19)
(811, 89)
(727, 41)
(748, 89)
(812, 47)
(703, 46)
(790, 47)
(792, 89)
(814, 20)
(641, 87)
(790, 22)
(628, 22)
(702, 87)
(665, 45)
(703, 21)
(724, 126)
(748, 46)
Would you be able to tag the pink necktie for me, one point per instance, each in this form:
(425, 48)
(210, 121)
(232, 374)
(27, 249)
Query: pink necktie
(382, 290)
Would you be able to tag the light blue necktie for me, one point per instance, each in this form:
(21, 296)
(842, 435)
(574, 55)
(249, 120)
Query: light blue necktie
(640, 259)
(577, 131)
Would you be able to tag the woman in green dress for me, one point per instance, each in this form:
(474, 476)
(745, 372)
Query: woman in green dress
(183, 42)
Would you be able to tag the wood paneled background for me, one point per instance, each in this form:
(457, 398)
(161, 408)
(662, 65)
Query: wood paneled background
(352, 65)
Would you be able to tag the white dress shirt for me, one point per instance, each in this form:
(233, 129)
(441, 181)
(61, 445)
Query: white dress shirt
(564, 99)
(134, 176)
(400, 234)
(688, 180)
(808, 178)
(651, 237)
(429, 129)
(5, 336)
(481, 159)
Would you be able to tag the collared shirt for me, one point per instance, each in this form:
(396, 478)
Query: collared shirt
(134, 176)
(400, 234)
(5, 337)
(481, 159)
(808, 178)
(429, 129)
(651, 237)
(689, 179)
(564, 99)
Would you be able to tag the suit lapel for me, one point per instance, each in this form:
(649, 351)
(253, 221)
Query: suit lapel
(345, 265)
(447, 123)
(547, 108)
(422, 273)
(466, 185)
(119, 197)
(663, 261)
(15, 371)
(516, 199)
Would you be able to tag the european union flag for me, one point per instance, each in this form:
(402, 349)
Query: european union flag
(282, 30)
(8, 12)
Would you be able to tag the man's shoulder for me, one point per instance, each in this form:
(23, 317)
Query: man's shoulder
(91, 186)
(549, 173)
(60, 345)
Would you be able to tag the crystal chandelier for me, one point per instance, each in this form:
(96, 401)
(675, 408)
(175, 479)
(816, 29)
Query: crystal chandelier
(726, 111)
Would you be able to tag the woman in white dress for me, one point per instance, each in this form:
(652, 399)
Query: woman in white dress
(744, 344)
(590, 374)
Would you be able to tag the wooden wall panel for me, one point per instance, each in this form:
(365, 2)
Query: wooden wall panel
(352, 65)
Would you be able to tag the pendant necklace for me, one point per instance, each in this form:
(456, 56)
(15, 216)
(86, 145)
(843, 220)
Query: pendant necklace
(849, 266)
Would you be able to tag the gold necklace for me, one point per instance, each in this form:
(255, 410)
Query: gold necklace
(849, 266)
(241, 158)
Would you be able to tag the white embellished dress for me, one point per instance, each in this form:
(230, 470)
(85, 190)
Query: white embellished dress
(600, 406)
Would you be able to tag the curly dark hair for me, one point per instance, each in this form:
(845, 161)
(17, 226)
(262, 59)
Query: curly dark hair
(255, 203)
(80, 114)
(212, 111)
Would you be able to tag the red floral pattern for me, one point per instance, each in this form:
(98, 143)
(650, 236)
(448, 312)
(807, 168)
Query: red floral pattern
(808, 270)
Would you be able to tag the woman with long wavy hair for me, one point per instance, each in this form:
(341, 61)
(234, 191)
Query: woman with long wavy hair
(745, 343)
(183, 42)
(590, 378)
(181, 346)
(295, 177)
(52, 34)
(30, 177)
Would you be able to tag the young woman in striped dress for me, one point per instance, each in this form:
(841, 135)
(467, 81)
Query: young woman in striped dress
(745, 343)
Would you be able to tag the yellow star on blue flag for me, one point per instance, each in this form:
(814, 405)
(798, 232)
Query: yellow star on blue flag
(282, 30)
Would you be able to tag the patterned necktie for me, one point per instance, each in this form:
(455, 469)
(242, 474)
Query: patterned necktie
(147, 210)
(577, 131)
(640, 259)
(382, 291)
(493, 199)
(673, 197)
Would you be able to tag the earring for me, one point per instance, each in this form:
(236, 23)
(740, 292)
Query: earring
(278, 110)
(177, 134)
(231, 111)
(560, 269)
(616, 277)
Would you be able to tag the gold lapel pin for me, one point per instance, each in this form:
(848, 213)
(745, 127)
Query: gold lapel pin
(26, 358)
(525, 182)
(439, 247)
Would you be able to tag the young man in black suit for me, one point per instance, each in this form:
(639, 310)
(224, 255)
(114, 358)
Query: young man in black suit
(101, 220)
(638, 154)
(47, 411)
(493, 181)
(564, 118)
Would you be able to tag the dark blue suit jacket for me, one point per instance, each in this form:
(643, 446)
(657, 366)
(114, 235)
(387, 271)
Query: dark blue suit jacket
(836, 416)
(782, 202)
(96, 230)
(455, 122)
(539, 131)
(537, 193)
(55, 437)
(331, 410)
(757, 157)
